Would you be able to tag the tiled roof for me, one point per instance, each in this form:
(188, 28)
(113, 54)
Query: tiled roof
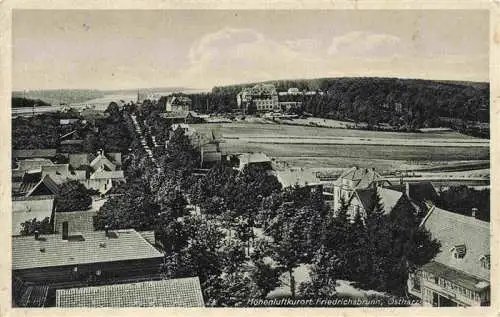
(388, 198)
(33, 164)
(78, 221)
(453, 229)
(71, 142)
(33, 181)
(25, 210)
(182, 292)
(361, 177)
(96, 247)
(35, 153)
(101, 160)
(78, 159)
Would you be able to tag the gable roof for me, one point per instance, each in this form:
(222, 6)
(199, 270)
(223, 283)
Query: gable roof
(388, 198)
(35, 153)
(101, 160)
(360, 177)
(34, 181)
(453, 229)
(95, 248)
(27, 209)
(182, 292)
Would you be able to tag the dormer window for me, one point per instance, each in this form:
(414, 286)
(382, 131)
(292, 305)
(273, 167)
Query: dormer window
(458, 251)
(485, 261)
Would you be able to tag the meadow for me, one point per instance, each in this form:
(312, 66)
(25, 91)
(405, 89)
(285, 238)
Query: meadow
(315, 147)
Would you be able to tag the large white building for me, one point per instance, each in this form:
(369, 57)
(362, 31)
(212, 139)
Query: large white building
(263, 96)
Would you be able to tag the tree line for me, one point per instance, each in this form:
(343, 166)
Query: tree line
(406, 104)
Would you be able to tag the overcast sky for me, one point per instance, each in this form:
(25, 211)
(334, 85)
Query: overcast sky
(201, 49)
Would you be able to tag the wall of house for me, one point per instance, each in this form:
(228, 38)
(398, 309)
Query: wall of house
(76, 275)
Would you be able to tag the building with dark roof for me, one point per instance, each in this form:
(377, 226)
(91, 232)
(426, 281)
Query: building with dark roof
(363, 200)
(459, 275)
(36, 184)
(352, 179)
(80, 259)
(35, 153)
(182, 292)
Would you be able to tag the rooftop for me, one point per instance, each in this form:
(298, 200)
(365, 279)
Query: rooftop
(51, 250)
(361, 177)
(455, 276)
(388, 198)
(78, 221)
(182, 292)
(34, 153)
(453, 229)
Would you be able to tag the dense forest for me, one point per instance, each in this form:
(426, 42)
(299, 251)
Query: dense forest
(18, 102)
(403, 103)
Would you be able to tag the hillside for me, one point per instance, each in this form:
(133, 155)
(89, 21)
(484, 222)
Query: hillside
(404, 103)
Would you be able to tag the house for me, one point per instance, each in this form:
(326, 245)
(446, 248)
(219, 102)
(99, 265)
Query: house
(363, 201)
(28, 208)
(246, 159)
(35, 153)
(178, 104)
(181, 292)
(34, 184)
(210, 154)
(297, 177)
(61, 173)
(80, 259)
(263, 96)
(352, 179)
(459, 275)
(421, 194)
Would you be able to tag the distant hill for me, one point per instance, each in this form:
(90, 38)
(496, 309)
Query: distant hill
(68, 96)
(413, 103)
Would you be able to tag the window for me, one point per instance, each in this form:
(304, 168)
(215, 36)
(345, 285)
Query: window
(485, 261)
(458, 251)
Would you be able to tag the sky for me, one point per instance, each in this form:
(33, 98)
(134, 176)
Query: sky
(124, 49)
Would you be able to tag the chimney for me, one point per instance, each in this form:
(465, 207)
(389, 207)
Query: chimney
(106, 230)
(37, 234)
(474, 212)
(65, 230)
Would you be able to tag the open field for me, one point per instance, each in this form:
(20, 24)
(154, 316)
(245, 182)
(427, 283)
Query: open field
(315, 147)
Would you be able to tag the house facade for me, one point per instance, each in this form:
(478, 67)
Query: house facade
(459, 275)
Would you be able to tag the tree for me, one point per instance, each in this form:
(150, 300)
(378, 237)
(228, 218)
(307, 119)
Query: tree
(43, 227)
(72, 196)
(114, 111)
